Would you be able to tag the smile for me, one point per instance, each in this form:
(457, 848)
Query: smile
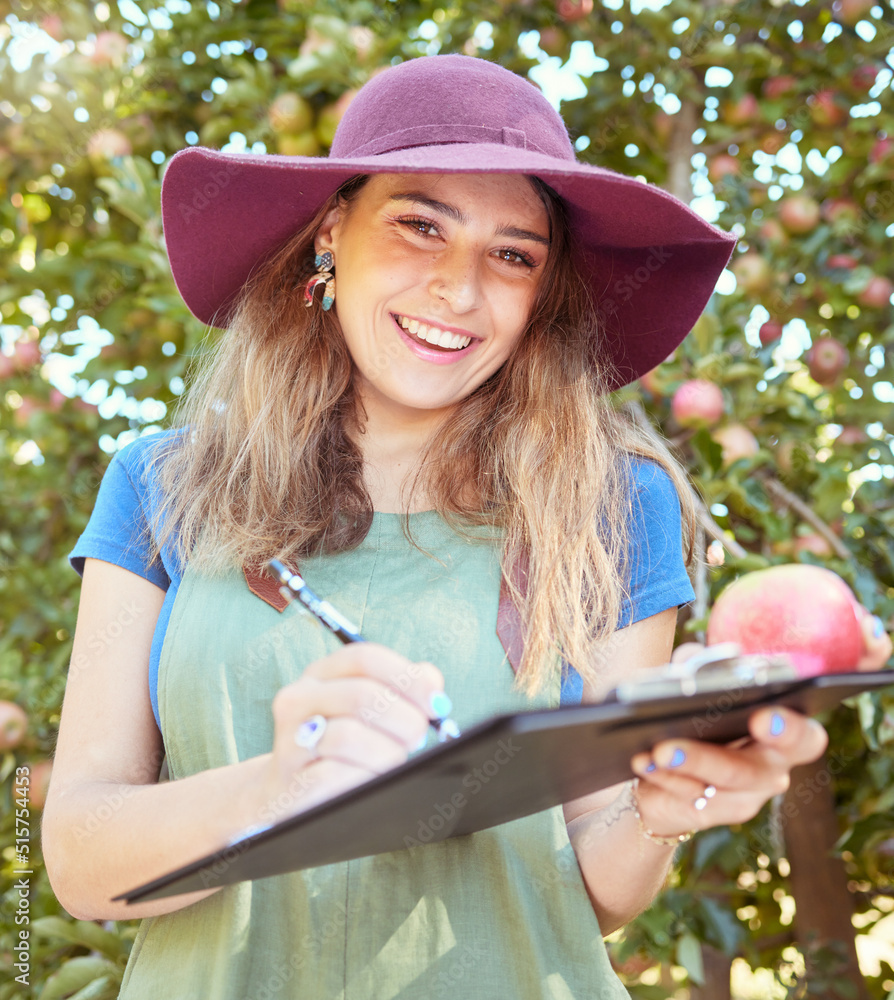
(432, 334)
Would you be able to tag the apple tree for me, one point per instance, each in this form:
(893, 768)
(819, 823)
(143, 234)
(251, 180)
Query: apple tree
(774, 119)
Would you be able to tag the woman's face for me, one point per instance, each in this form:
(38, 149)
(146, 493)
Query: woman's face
(436, 276)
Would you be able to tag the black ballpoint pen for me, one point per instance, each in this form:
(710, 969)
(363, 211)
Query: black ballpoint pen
(294, 588)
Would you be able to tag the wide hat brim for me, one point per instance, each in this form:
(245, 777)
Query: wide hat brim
(651, 262)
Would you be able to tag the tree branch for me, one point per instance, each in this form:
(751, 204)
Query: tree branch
(795, 503)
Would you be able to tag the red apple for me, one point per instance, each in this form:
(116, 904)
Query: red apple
(736, 441)
(27, 355)
(804, 611)
(553, 41)
(841, 262)
(109, 49)
(775, 87)
(877, 293)
(825, 111)
(863, 78)
(826, 360)
(697, 403)
(834, 209)
(13, 725)
(53, 26)
(773, 232)
(849, 12)
(772, 142)
(814, 544)
(753, 273)
(770, 331)
(574, 10)
(108, 143)
(799, 213)
(882, 149)
(39, 783)
(851, 435)
(723, 165)
(742, 111)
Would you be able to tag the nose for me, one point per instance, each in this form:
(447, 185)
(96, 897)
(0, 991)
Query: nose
(457, 281)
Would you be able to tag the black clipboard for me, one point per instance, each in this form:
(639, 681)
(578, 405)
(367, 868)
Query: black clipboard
(499, 770)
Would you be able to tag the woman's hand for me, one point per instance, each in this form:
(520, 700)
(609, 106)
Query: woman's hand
(746, 774)
(877, 643)
(367, 709)
(672, 794)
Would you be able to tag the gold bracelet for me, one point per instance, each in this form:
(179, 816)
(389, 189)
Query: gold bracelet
(668, 840)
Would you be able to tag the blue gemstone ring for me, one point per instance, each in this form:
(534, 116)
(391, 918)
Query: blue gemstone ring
(309, 734)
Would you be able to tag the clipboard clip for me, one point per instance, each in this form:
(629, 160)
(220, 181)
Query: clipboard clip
(715, 668)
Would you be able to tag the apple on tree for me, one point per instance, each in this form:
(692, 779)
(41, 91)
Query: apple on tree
(753, 272)
(770, 331)
(799, 213)
(826, 360)
(877, 293)
(13, 725)
(736, 441)
(697, 403)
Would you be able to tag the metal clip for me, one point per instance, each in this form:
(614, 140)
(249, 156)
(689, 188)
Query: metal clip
(715, 668)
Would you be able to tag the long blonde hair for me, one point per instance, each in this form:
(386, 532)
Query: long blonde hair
(267, 468)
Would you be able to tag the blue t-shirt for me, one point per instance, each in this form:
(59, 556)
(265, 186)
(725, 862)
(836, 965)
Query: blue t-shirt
(128, 496)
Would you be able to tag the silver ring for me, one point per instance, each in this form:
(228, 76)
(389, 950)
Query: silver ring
(309, 734)
(709, 793)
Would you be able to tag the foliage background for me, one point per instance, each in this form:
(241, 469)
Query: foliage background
(735, 107)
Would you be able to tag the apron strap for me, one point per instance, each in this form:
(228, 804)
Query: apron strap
(509, 626)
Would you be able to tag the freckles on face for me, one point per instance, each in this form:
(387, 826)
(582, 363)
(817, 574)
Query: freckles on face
(436, 277)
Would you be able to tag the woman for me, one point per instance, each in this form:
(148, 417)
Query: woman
(431, 444)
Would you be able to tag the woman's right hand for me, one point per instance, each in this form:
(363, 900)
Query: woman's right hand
(377, 706)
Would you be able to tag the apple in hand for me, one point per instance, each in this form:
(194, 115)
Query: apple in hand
(806, 612)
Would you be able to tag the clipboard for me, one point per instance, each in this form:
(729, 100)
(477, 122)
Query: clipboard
(502, 769)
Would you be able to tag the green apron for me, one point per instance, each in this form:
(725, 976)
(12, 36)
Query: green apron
(502, 913)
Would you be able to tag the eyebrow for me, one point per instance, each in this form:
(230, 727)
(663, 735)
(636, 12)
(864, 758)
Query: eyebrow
(452, 212)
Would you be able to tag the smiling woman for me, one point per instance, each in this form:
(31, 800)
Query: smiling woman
(430, 438)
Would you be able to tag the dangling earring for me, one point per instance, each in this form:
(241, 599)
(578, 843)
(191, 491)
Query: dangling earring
(323, 262)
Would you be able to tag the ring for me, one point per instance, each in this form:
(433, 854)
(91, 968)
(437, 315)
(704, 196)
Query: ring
(309, 734)
(709, 793)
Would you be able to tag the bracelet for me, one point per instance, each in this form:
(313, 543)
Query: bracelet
(669, 840)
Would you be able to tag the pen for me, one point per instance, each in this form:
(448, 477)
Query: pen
(294, 588)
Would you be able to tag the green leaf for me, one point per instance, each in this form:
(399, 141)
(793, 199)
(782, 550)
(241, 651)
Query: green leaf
(689, 955)
(724, 928)
(105, 988)
(82, 932)
(75, 974)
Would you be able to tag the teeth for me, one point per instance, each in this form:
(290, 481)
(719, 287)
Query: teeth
(433, 335)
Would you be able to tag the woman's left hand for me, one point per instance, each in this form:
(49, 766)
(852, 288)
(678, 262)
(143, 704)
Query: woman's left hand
(876, 642)
(672, 794)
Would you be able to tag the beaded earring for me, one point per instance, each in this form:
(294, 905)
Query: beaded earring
(324, 262)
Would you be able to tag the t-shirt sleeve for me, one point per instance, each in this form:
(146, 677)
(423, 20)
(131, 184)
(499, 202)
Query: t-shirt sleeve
(658, 577)
(117, 531)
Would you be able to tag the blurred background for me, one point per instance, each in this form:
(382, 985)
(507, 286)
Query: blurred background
(774, 119)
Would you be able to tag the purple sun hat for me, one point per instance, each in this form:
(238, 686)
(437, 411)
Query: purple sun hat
(650, 261)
